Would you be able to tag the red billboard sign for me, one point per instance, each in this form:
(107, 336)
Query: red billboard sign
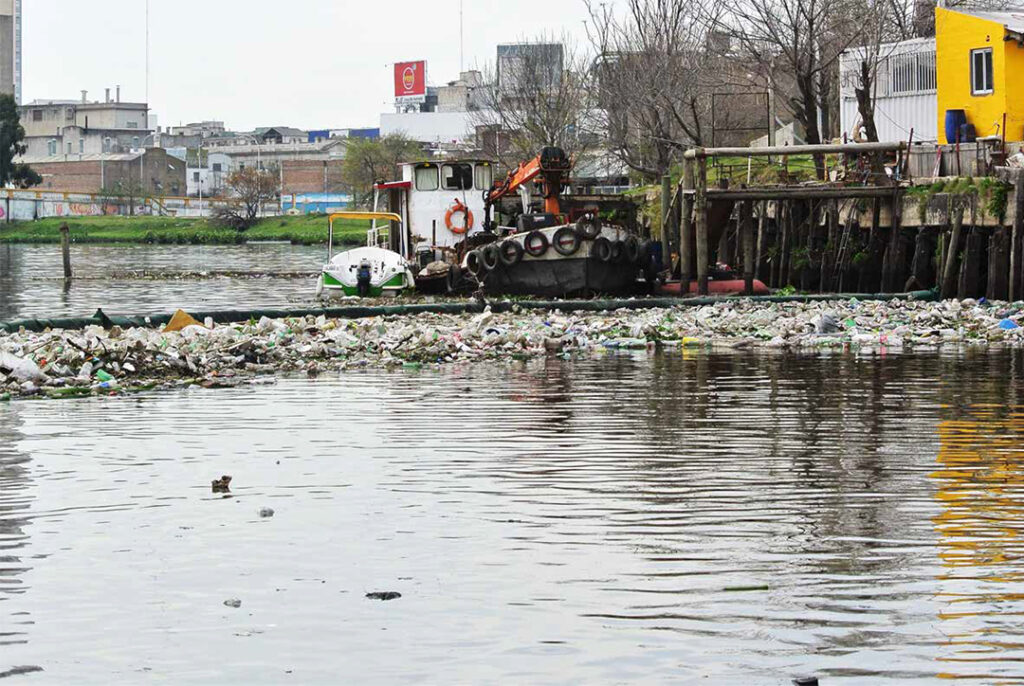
(410, 81)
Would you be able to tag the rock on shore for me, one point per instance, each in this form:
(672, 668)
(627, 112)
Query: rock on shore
(58, 363)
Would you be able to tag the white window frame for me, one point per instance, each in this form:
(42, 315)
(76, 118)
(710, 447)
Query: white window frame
(987, 76)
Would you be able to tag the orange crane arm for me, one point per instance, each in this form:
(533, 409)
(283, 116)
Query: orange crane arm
(551, 165)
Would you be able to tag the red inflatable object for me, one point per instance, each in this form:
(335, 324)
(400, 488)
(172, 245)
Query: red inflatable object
(722, 287)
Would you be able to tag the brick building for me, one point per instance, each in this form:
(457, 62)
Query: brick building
(160, 174)
(311, 176)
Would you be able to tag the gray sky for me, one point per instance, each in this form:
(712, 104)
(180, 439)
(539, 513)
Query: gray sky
(304, 63)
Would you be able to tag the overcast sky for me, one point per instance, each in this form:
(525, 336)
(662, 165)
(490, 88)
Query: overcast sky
(304, 63)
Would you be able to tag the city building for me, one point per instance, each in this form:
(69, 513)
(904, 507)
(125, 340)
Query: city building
(151, 172)
(971, 68)
(202, 129)
(465, 94)
(525, 66)
(81, 127)
(10, 48)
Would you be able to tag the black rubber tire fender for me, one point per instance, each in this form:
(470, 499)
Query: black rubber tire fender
(490, 256)
(589, 226)
(566, 241)
(601, 249)
(632, 249)
(536, 243)
(618, 251)
(475, 263)
(510, 252)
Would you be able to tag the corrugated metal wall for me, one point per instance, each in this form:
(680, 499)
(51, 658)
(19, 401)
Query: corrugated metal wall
(894, 117)
(905, 91)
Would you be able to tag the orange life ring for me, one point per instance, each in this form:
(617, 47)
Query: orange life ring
(455, 209)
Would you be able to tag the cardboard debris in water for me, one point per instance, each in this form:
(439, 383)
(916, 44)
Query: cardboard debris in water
(180, 320)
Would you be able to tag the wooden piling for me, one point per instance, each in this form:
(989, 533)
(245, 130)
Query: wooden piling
(747, 238)
(701, 210)
(761, 220)
(829, 251)
(949, 274)
(997, 286)
(686, 227)
(666, 206)
(1015, 238)
(65, 248)
(921, 272)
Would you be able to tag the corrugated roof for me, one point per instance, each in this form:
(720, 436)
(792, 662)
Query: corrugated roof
(1012, 21)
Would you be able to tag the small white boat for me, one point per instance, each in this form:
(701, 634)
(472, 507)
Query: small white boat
(370, 271)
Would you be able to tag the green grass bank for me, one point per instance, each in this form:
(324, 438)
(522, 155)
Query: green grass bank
(305, 230)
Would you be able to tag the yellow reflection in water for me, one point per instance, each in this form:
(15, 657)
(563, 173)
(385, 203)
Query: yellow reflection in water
(981, 490)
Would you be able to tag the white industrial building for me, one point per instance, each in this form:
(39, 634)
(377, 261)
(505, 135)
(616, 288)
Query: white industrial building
(905, 90)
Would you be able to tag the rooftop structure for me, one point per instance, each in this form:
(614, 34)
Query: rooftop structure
(10, 48)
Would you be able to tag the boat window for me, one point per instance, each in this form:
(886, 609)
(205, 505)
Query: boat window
(484, 176)
(457, 177)
(426, 178)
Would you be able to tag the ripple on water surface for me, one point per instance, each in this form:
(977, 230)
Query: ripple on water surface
(718, 518)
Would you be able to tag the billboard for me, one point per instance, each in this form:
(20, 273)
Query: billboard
(410, 81)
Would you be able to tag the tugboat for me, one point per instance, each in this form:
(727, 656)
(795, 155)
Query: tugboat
(546, 255)
(450, 242)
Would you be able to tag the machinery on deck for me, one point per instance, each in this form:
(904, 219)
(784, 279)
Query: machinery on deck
(552, 167)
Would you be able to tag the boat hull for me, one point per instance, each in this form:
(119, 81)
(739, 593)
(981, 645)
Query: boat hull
(563, 277)
(556, 275)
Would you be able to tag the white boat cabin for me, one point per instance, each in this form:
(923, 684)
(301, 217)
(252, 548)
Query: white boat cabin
(440, 203)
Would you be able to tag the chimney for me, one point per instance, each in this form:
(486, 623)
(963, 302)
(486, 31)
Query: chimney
(85, 97)
(119, 94)
(107, 97)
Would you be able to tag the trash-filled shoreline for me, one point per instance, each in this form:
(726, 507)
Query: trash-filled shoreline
(65, 363)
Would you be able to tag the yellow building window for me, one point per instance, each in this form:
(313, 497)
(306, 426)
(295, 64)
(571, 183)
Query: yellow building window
(981, 71)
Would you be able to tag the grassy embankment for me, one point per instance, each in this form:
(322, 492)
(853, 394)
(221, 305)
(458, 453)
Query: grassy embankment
(307, 230)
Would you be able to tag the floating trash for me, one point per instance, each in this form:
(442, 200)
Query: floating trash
(65, 363)
(384, 595)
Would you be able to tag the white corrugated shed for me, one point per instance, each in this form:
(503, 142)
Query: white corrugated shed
(905, 90)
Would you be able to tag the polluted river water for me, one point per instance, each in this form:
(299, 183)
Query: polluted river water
(675, 517)
(661, 515)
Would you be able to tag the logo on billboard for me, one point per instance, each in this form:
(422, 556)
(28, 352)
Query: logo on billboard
(411, 81)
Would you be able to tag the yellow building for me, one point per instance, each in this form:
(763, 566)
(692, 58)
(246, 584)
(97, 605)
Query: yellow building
(980, 69)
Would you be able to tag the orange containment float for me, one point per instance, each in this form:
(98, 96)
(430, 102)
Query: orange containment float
(455, 209)
(715, 287)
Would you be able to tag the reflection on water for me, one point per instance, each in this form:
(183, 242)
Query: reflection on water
(680, 517)
(31, 283)
(982, 532)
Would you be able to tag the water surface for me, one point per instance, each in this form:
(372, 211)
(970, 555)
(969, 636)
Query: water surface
(711, 519)
(108, 277)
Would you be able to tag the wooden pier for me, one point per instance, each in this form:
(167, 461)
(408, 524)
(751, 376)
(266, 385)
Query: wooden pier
(883, 233)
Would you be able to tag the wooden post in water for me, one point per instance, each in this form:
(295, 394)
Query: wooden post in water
(761, 219)
(65, 248)
(949, 280)
(686, 228)
(701, 210)
(747, 238)
(1018, 230)
(666, 221)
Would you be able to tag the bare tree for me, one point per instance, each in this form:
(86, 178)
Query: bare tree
(801, 40)
(368, 161)
(653, 76)
(248, 189)
(537, 95)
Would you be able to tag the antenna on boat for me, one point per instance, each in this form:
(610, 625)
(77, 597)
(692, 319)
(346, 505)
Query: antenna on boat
(461, 44)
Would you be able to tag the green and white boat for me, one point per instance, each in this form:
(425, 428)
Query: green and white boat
(370, 271)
